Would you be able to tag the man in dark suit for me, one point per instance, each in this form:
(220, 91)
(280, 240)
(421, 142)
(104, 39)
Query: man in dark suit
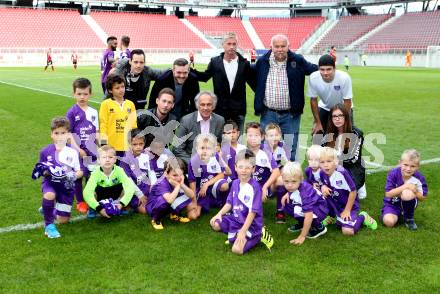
(230, 72)
(184, 84)
(202, 121)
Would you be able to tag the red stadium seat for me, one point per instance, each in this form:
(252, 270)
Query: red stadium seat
(349, 29)
(296, 29)
(31, 28)
(416, 30)
(149, 30)
(218, 26)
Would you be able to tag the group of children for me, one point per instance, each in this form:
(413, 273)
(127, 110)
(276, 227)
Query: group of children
(142, 175)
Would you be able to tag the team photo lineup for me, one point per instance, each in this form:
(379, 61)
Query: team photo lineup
(185, 152)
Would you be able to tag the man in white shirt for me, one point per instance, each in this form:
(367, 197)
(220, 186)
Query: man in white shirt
(332, 87)
(230, 72)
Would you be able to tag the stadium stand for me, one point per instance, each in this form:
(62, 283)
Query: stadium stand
(149, 30)
(322, 1)
(269, 1)
(218, 26)
(31, 28)
(413, 31)
(296, 29)
(349, 29)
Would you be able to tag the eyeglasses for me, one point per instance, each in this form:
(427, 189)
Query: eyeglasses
(336, 116)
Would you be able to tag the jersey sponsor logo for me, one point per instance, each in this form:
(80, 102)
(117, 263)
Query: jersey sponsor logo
(337, 87)
(112, 110)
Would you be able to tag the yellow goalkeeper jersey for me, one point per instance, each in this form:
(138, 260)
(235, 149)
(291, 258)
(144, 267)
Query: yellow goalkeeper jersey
(116, 121)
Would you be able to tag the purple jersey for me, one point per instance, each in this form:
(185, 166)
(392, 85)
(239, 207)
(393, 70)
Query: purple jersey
(156, 165)
(313, 177)
(201, 172)
(264, 164)
(60, 162)
(341, 184)
(395, 179)
(245, 198)
(229, 155)
(307, 199)
(106, 63)
(125, 54)
(162, 187)
(137, 169)
(280, 154)
(84, 126)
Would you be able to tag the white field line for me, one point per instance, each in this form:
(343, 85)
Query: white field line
(44, 91)
(27, 227)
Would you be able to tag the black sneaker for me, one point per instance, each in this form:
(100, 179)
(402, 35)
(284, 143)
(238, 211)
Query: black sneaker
(316, 232)
(295, 228)
(411, 224)
(280, 217)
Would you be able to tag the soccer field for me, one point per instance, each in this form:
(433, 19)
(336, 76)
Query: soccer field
(125, 254)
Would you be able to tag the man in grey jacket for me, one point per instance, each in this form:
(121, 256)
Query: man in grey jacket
(137, 77)
(202, 121)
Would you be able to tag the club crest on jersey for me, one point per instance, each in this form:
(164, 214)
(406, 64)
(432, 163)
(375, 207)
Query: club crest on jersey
(115, 181)
(49, 158)
(132, 166)
(246, 198)
(339, 183)
(69, 159)
(93, 118)
(263, 161)
(128, 110)
(77, 118)
(337, 87)
(112, 110)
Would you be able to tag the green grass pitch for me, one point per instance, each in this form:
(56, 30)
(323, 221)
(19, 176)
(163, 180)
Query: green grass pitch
(127, 255)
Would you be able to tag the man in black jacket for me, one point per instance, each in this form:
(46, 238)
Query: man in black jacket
(230, 72)
(184, 84)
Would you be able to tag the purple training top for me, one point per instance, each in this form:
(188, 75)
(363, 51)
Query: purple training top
(264, 164)
(106, 65)
(60, 162)
(200, 172)
(137, 169)
(245, 198)
(341, 184)
(125, 54)
(313, 177)
(157, 164)
(229, 155)
(83, 126)
(307, 199)
(395, 179)
(280, 154)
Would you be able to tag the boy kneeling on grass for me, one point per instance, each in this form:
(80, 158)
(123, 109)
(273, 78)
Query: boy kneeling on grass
(109, 190)
(244, 225)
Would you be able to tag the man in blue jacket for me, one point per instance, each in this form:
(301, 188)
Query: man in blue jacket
(279, 95)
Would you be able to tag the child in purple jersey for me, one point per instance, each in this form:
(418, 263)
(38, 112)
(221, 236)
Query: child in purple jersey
(206, 176)
(266, 170)
(405, 186)
(244, 225)
(84, 126)
(170, 195)
(136, 165)
(63, 162)
(340, 192)
(230, 147)
(273, 136)
(303, 203)
(158, 155)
